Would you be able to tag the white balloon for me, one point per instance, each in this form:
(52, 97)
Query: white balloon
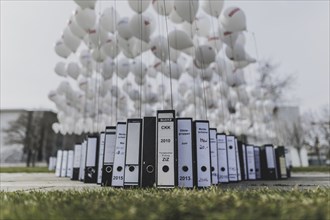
(86, 18)
(139, 6)
(134, 94)
(213, 7)
(123, 68)
(98, 55)
(139, 80)
(163, 7)
(76, 29)
(237, 53)
(173, 70)
(60, 69)
(73, 70)
(110, 47)
(142, 26)
(152, 72)
(138, 68)
(109, 19)
(187, 10)
(124, 29)
(70, 40)
(61, 49)
(200, 27)
(214, 41)
(206, 74)
(108, 67)
(205, 54)
(98, 36)
(179, 40)
(229, 38)
(175, 18)
(159, 47)
(233, 19)
(86, 3)
(86, 60)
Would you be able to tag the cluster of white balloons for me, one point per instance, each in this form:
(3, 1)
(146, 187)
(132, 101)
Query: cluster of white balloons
(124, 65)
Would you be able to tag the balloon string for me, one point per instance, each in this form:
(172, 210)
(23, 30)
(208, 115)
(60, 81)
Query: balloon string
(203, 66)
(117, 91)
(161, 65)
(141, 55)
(220, 79)
(169, 55)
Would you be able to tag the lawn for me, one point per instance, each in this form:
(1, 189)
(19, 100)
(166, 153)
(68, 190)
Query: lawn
(25, 170)
(311, 169)
(212, 203)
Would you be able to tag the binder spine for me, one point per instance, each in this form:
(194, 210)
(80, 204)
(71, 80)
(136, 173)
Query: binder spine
(119, 161)
(148, 154)
(109, 155)
(203, 153)
(222, 159)
(166, 175)
(185, 152)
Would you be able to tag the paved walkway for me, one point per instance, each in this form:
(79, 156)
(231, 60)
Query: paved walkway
(47, 181)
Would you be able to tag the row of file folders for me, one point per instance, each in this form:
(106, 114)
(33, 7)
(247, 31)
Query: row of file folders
(166, 152)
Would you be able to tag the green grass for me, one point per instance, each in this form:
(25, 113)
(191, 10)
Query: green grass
(212, 203)
(25, 170)
(311, 169)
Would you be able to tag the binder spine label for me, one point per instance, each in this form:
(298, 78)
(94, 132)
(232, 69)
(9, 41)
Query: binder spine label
(64, 163)
(133, 147)
(119, 162)
(100, 162)
(58, 168)
(185, 156)
(165, 150)
(222, 159)
(82, 161)
(203, 154)
(109, 155)
(214, 156)
(250, 162)
(70, 164)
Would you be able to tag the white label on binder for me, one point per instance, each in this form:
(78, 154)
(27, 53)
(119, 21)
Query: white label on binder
(270, 157)
(214, 155)
(222, 159)
(110, 145)
(119, 161)
(58, 163)
(203, 154)
(238, 165)
(64, 163)
(91, 152)
(165, 150)
(82, 161)
(185, 164)
(250, 162)
(132, 153)
(69, 169)
(101, 152)
(232, 164)
(77, 156)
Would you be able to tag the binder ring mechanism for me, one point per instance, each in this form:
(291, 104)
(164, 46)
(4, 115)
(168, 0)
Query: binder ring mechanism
(108, 169)
(150, 169)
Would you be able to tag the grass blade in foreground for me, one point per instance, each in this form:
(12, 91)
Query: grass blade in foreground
(213, 203)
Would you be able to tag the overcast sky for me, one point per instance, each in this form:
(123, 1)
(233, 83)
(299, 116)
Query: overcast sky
(292, 33)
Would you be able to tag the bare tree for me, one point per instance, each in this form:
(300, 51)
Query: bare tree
(275, 85)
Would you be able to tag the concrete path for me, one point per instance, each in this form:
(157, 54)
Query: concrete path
(47, 181)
